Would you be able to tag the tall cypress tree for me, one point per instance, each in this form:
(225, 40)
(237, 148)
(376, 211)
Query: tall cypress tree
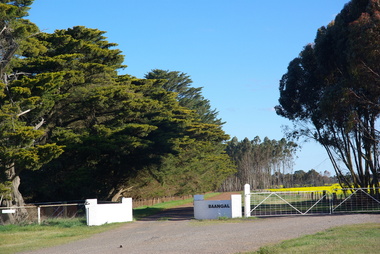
(20, 127)
(115, 129)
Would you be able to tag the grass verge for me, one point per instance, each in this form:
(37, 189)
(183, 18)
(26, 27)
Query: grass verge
(18, 238)
(352, 239)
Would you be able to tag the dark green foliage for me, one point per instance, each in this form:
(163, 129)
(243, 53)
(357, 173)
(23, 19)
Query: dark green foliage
(114, 135)
(122, 135)
(188, 96)
(142, 143)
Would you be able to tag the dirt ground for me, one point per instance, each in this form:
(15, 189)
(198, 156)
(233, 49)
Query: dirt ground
(174, 231)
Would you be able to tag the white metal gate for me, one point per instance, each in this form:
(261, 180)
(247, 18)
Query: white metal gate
(289, 203)
(356, 201)
(261, 203)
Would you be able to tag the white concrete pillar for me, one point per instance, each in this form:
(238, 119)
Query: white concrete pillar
(91, 205)
(127, 203)
(236, 206)
(247, 200)
(39, 215)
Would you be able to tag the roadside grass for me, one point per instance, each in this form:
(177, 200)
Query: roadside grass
(18, 238)
(351, 239)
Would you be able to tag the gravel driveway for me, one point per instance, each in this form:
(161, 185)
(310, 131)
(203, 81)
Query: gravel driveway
(181, 234)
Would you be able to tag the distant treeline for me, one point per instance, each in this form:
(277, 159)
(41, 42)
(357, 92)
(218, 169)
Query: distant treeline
(268, 164)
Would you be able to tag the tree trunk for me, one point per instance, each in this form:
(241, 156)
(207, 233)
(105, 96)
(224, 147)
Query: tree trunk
(16, 200)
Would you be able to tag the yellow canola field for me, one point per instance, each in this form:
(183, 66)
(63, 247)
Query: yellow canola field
(334, 188)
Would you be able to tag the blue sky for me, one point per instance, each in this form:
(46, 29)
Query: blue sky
(237, 50)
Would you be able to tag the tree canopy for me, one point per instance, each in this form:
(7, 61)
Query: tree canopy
(188, 96)
(91, 132)
(334, 87)
(120, 133)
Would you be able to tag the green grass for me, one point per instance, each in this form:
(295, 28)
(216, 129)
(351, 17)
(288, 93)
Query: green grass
(17, 238)
(352, 239)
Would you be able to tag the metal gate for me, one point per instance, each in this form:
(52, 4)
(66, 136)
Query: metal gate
(356, 200)
(289, 203)
(264, 203)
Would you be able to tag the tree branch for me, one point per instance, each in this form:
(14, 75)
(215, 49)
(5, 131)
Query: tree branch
(369, 68)
(39, 124)
(24, 112)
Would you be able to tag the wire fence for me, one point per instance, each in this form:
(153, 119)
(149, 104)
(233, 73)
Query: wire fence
(314, 202)
(42, 212)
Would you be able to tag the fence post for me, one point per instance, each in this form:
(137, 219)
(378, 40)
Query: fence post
(39, 215)
(65, 210)
(247, 200)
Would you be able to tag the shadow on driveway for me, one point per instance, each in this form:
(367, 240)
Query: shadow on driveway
(172, 214)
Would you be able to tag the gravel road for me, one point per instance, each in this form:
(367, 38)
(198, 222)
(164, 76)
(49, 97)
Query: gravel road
(178, 233)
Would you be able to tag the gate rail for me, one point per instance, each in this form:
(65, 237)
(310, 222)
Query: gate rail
(355, 200)
(265, 203)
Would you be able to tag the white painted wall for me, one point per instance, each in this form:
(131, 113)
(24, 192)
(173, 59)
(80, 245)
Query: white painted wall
(99, 214)
(213, 209)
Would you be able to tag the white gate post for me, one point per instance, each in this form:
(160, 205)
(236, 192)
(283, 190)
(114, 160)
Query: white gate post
(39, 215)
(247, 200)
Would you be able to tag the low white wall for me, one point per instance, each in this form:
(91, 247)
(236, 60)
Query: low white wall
(213, 209)
(99, 214)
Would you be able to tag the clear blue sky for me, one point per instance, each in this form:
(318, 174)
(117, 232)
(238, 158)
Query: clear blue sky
(237, 50)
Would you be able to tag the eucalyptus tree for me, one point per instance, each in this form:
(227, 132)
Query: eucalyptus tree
(332, 92)
(260, 163)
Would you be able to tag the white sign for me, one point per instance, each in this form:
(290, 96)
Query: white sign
(214, 209)
(9, 211)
